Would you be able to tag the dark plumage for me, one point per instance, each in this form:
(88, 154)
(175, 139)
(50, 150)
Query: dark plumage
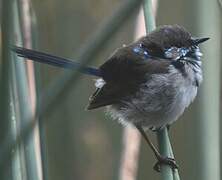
(148, 83)
(125, 70)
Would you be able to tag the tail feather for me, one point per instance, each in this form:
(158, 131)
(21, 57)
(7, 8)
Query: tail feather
(55, 61)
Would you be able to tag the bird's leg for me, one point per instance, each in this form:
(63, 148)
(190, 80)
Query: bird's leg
(160, 159)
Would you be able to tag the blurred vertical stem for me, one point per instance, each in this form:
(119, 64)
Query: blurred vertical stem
(6, 118)
(149, 16)
(162, 136)
(24, 97)
(38, 82)
(130, 154)
(19, 169)
(13, 112)
(209, 24)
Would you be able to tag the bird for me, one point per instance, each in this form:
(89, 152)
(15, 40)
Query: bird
(148, 83)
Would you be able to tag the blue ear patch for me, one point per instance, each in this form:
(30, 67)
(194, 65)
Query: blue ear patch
(136, 49)
(139, 50)
(176, 53)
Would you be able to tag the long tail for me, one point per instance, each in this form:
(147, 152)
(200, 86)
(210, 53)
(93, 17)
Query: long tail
(55, 61)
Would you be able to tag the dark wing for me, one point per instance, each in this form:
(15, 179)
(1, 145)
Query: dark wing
(109, 94)
(123, 73)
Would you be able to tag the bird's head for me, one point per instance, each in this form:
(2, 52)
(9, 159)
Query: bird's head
(171, 42)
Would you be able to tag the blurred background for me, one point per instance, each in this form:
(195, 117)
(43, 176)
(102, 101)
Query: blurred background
(72, 143)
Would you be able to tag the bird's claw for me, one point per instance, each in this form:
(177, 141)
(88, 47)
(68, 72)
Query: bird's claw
(167, 161)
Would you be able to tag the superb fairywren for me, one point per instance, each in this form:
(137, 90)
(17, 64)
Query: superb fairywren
(148, 83)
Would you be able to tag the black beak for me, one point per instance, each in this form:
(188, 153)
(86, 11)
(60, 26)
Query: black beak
(199, 40)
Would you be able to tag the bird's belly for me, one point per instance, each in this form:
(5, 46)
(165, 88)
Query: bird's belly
(156, 104)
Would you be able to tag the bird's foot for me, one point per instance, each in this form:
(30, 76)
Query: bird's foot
(167, 161)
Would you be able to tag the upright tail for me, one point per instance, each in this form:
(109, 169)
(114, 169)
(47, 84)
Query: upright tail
(55, 61)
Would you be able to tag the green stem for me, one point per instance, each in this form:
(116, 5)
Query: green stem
(38, 83)
(162, 136)
(148, 15)
(164, 145)
(209, 122)
(6, 133)
(30, 156)
(175, 172)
